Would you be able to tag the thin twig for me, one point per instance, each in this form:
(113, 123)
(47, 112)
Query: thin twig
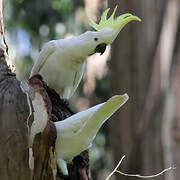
(116, 167)
(146, 177)
(137, 175)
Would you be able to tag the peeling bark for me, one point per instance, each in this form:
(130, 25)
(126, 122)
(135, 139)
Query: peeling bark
(79, 169)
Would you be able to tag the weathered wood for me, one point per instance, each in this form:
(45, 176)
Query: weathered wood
(14, 112)
(79, 169)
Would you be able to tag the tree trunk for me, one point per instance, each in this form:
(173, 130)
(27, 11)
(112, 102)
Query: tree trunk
(16, 117)
(14, 112)
(141, 67)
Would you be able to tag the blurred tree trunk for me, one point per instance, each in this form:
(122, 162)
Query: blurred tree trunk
(175, 93)
(143, 58)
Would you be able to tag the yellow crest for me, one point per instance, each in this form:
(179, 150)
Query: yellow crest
(116, 23)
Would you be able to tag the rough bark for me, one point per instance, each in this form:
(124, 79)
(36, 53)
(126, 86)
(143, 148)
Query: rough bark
(14, 112)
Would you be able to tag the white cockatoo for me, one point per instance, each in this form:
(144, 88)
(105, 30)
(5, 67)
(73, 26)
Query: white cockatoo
(62, 62)
(76, 133)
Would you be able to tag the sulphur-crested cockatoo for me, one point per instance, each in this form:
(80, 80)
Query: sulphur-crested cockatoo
(62, 62)
(76, 133)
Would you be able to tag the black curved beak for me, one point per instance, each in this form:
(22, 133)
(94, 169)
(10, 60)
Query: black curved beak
(101, 48)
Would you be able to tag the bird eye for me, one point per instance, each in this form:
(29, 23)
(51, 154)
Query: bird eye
(96, 39)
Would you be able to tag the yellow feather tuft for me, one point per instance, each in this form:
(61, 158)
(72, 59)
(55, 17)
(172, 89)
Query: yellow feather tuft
(112, 22)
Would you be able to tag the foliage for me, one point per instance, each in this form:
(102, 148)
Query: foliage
(31, 23)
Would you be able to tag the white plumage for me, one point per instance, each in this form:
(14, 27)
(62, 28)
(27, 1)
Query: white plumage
(76, 133)
(62, 62)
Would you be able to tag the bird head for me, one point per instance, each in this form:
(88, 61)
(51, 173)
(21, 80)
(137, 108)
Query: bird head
(107, 30)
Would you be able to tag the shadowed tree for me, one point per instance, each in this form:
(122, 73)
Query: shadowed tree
(141, 65)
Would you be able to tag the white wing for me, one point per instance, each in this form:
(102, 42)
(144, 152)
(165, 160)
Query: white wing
(77, 78)
(46, 51)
